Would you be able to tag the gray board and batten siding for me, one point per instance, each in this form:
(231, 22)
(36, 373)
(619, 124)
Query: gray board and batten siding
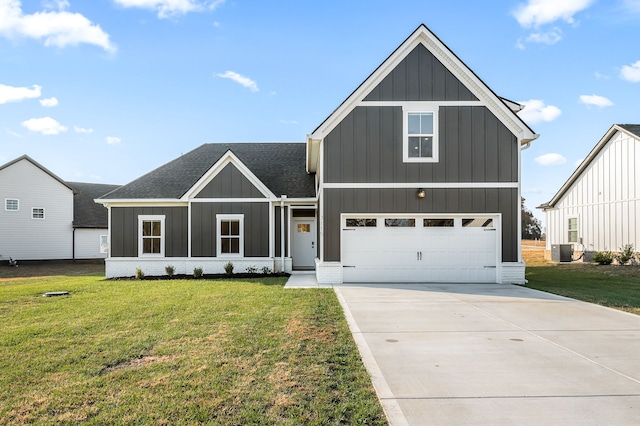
(474, 146)
(124, 230)
(420, 76)
(230, 183)
(256, 227)
(404, 201)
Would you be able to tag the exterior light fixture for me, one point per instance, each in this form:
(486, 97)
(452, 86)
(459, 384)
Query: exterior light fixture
(421, 193)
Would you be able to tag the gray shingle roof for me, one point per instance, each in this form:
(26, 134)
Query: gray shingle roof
(632, 128)
(280, 166)
(86, 213)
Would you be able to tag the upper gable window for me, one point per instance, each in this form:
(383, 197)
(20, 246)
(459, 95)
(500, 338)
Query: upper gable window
(420, 142)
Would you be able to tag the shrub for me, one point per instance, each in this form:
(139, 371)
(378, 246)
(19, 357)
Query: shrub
(626, 254)
(252, 269)
(139, 274)
(170, 270)
(197, 272)
(603, 257)
(228, 268)
(266, 270)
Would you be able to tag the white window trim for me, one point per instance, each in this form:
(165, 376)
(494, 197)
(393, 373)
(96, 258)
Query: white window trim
(38, 218)
(11, 199)
(432, 109)
(240, 219)
(142, 218)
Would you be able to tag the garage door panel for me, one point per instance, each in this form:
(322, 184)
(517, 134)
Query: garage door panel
(419, 254)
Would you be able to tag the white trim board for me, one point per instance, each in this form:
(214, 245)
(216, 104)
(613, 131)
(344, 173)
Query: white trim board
(423, 185)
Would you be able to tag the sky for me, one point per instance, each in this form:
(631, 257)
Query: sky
(107, 90)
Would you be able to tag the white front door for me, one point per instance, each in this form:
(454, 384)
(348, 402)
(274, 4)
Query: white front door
(303, 242)
(420, 248)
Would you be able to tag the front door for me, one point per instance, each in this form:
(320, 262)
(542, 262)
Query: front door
(303, 242)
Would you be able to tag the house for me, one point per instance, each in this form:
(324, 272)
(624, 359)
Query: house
(45, 218)
(597, 208)
(415, 177)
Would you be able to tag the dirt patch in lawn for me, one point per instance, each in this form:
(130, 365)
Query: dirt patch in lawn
(46, 268)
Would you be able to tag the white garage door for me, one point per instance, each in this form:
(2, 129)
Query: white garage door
(445, 248)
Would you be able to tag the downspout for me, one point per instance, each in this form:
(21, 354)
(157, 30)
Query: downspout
(282, 197)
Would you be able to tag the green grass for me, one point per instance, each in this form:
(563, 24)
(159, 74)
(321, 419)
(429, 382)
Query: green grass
(178, 352)
(612, 285)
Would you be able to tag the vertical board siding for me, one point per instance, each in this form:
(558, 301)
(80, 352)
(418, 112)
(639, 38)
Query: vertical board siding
(366, 147)
(24, 238)
(420, 77)
(256, 227)
(124, 230)
(605, 198)
(398, 201)
(230, 183)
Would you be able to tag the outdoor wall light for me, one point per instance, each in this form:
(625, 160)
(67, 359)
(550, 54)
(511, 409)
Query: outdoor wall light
(421, 193)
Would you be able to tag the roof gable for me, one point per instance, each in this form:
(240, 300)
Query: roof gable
(449, 61)
(632, 130)
(229, 178)
(36, 164)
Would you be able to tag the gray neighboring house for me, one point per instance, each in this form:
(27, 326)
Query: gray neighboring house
(46, 218)
(597, 208)
(415, 177)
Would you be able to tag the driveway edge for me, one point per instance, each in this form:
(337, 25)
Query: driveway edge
(389, 403)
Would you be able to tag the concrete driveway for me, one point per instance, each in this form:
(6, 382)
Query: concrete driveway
(473, 354)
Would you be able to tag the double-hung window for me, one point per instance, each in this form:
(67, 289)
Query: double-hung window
(420, 142)
(151, 235)
(37, 213)
(230, 230)
(573, 230)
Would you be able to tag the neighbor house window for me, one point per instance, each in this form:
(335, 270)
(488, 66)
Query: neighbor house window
(573, 229)
(11, 204)
(230, 235)
(420, 136)
(37, 213)
(104, 244)
(151, 235)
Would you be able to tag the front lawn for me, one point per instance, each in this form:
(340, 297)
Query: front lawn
(614, 286)
(178, 352)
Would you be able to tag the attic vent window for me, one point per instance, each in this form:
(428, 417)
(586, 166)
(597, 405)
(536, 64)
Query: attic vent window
(420, 136)
(11, 204)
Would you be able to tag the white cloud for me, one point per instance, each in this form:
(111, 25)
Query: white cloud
(549, 37)
(49, 102)
(631, 72)
(578, 162)
(170, 8)
(44, 125)
(113, 140)
(57, 27)
(533, 191)
(551, 159)
(540, 12)
(601, 76)
(240, 79)
(599, 101)
(78, 129)
(288, 122)
(15, 94)
(535, 111)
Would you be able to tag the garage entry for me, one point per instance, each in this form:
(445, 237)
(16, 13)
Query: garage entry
(420, 248)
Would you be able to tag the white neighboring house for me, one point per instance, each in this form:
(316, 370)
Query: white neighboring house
(45, 218)
(598, 207)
